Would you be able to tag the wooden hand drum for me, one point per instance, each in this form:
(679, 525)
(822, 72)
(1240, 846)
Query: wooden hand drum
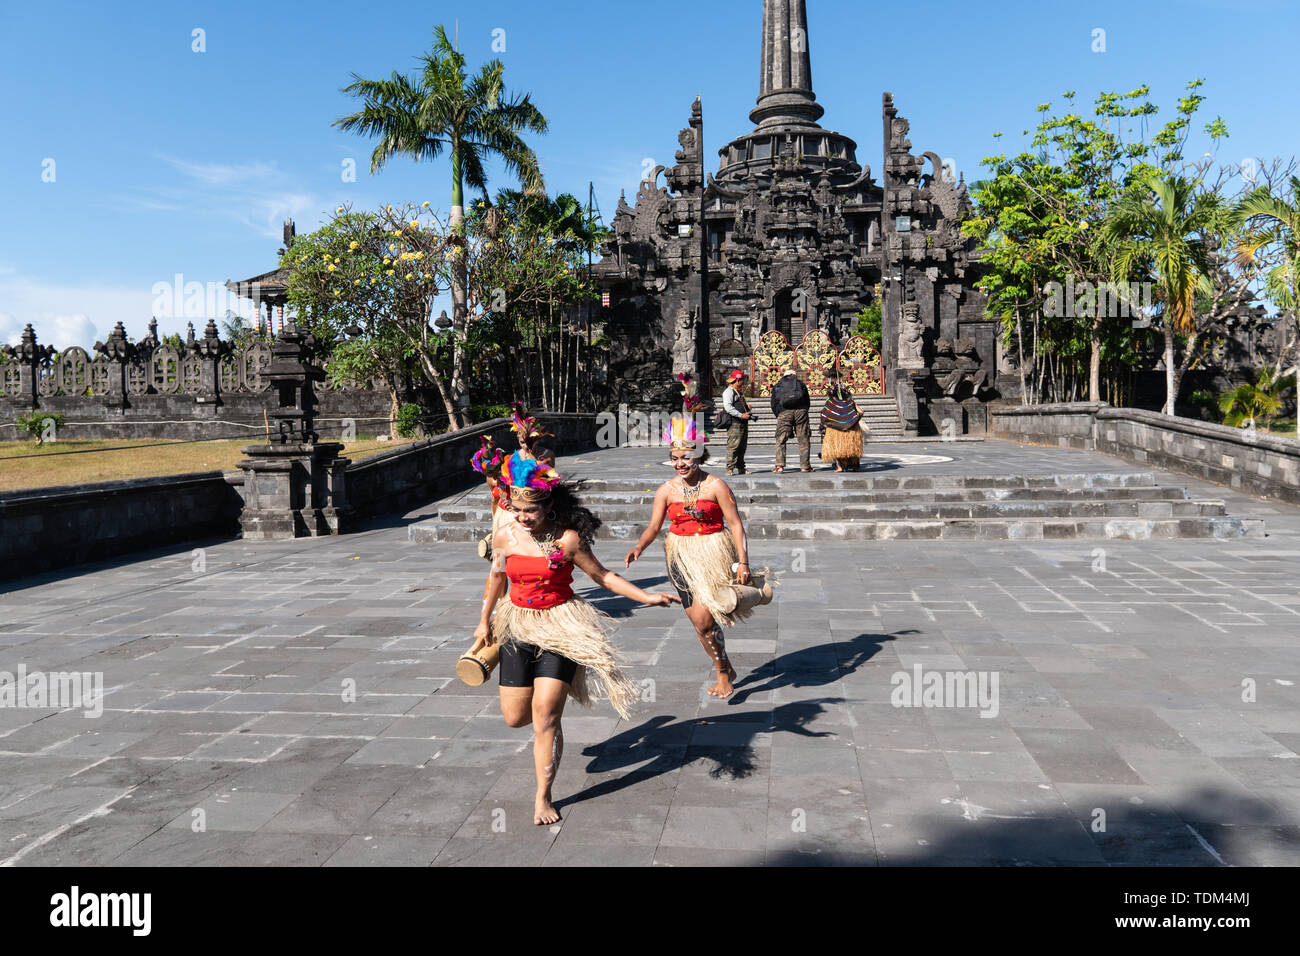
(475, 666)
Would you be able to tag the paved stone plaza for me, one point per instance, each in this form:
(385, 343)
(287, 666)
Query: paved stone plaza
(1120, 664)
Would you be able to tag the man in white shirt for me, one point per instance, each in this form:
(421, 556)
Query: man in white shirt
(734, 404)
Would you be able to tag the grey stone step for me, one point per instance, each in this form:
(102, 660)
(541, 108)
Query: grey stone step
(792, 481)
(1013, 510)
(1028, 529)
(879, 506)
(794, 498)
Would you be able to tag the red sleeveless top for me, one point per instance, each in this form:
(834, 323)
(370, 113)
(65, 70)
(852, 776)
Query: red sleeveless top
(535, 584)
(684, 524)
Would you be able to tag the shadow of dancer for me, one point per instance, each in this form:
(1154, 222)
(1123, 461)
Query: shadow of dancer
(666, 743)
(814, 666)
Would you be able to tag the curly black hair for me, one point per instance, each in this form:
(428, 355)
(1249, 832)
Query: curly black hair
(570, 513)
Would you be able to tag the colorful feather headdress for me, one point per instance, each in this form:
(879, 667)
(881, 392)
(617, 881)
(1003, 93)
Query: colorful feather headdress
(691, 400)
(488, 460)
(532, 480)
(525, 426)
(684, 432)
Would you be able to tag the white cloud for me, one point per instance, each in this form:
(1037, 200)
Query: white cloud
(221, 174)
(64, 315)
(267, 212)
(61, 331)
(258, 196)
(11, 330)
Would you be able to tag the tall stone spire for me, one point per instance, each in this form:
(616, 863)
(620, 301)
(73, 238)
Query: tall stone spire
(785, 94)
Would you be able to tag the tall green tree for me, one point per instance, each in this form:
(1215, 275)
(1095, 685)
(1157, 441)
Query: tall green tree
(1271, 224)
(1039, 219)
(529, 274)
(373, 277)
(1161, 225)
(475, 119)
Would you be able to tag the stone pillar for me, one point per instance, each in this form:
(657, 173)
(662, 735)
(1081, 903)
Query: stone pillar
(29, 356)
(209, 349)
(295, 486)
(119, 352)
(910, 388)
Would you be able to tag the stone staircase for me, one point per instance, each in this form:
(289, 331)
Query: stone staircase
(879, 413)
(861, 507)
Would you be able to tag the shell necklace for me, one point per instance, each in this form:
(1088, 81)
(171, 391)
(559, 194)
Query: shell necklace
(691, 499)
(553, 552)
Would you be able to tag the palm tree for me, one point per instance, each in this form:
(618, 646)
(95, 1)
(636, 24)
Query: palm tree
(475, 119)
(1246, 403)
(562, 218)
(1160, 224)
(1272, 222)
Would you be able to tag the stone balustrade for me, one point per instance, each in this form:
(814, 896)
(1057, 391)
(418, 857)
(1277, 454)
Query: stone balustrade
(1250, 461)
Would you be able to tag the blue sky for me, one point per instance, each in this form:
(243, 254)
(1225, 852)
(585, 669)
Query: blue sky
(168, 161)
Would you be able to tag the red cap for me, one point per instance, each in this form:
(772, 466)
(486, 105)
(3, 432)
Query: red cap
(735, 374)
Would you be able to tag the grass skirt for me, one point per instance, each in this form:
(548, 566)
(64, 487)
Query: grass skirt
(701, 564)
(840, 445)
(499, 516)
(578, 631)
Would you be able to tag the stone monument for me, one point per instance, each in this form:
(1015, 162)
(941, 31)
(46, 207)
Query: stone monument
(294, 485)
(791, 235)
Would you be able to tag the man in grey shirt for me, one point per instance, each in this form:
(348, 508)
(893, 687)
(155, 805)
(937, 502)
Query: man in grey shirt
(734, 404)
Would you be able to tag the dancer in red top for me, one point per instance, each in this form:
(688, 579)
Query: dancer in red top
(553, 644)
(702, 556)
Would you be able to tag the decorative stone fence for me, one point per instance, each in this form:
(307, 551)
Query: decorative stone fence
(208, 389)
(48, 528)
(1253, 462)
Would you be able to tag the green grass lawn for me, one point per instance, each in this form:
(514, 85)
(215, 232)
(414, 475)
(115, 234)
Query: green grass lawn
(1283, 427)
(24, 465)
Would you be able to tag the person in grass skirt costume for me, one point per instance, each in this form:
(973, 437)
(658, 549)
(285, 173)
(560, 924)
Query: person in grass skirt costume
(706, 548)
(554, 645)
(841, 428)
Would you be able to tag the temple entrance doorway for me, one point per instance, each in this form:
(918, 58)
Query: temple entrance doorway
(857, 363)
(790, 314)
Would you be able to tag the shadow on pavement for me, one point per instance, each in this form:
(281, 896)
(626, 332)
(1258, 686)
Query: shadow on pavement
(665, 742)
(814, 666)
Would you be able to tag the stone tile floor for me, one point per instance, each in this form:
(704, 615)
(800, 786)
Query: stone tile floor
(292, 703)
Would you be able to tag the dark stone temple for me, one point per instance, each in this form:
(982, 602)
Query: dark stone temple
(766, 263)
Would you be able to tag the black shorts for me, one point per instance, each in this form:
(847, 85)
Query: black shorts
(521, 664)
(684, 593)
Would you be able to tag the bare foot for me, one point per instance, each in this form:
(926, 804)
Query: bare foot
(544, 812)
(723, 689)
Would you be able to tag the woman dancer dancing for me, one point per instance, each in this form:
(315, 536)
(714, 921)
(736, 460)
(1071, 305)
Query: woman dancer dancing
(554, 644)
(701, 557)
